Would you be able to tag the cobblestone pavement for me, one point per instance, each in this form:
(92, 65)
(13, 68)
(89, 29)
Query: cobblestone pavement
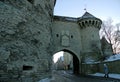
(62, 76)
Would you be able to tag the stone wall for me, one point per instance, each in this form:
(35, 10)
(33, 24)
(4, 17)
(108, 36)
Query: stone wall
(113, 66)
(90, 35)
(66, 35)
(25, 38)
(91, 45)
(89, 68)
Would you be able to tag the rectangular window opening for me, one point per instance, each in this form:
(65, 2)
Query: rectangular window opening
(27, 67)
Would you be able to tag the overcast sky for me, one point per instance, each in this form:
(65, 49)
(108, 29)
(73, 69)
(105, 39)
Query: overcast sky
(102, 9)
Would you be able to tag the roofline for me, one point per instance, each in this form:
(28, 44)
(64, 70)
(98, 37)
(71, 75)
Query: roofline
(63, 18)
(72, 19)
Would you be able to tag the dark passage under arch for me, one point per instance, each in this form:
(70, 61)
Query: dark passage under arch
(75, 62)
(75, 65)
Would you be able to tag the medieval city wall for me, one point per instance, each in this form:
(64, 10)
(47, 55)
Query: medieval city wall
(30, 35)
(25, 38)
(113, 67)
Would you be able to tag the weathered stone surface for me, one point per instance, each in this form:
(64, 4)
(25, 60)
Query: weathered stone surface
(25, 35)
(113, 67)
(83, 41)
(29, 37)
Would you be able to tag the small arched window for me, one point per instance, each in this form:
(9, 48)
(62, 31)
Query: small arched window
(90, 21)
(83, 24)
(71, 36)
(57, 35)
(93, 22)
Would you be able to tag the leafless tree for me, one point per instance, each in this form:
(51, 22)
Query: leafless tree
(116, 39)
(107, 31)
(112, 34)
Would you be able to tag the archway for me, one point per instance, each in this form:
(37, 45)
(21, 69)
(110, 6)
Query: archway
(67, 66)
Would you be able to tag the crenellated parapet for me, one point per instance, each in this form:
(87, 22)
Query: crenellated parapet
(88, 20)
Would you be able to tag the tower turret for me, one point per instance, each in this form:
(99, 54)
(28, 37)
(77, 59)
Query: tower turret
(91, 46)
(88, 20)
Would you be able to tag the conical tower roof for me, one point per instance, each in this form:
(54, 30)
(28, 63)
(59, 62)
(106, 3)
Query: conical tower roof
(87, 15)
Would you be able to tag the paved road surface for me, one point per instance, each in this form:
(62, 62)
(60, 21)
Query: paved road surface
(63, 76)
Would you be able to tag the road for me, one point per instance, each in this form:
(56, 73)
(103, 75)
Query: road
(63, 76)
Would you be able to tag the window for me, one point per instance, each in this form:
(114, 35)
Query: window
(93, 22)
(57, 35)
(27, 67)
(83, 24)
(90, 21)
(31, 1)
(71, 36)
(2, 0)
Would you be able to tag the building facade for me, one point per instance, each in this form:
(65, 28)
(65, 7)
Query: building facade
(79, 35)
(30, 35)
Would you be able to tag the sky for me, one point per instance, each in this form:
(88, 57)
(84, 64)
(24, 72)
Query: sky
(102, 9)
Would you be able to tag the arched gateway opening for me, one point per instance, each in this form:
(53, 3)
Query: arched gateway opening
(66, 60)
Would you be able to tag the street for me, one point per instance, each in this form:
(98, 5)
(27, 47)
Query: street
(63, 76)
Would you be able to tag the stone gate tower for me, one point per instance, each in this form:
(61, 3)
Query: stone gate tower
(30, 35)
(91, 46)
(79, 36)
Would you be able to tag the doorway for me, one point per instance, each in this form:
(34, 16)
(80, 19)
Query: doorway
(67, 61)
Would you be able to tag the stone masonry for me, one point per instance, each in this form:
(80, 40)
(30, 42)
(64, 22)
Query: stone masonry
(25, 38)
(30, 35)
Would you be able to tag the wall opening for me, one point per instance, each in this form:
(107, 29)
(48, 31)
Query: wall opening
(57, 35)
(93, 22)
(66, 60)
(2, 0)
(25, 68)
(31, 1)
(71, 36)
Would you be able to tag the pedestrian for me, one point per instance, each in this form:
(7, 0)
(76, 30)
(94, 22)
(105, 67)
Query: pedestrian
(106, 71)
